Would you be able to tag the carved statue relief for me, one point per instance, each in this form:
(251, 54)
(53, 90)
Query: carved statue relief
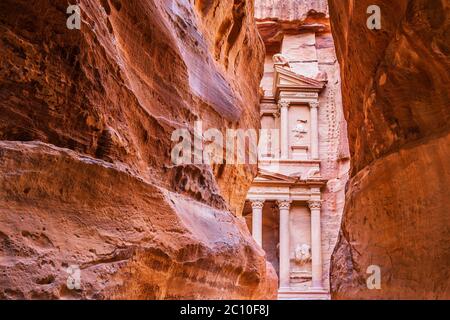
(281, 60)
(302, 254)
(300, 129)
(322, 76)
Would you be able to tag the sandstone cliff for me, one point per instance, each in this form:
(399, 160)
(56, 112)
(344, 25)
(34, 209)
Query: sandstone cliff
(85, 172)
(397, 104)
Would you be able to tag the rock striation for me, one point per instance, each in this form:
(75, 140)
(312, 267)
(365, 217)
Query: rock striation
(397, 105)
(86, 177)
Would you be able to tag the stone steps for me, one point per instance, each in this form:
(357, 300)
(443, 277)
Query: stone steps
(311, 294)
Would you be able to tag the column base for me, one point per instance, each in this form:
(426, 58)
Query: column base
(317, 288)
(317, 285)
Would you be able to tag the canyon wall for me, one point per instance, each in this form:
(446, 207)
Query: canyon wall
(397, 104)
(86, 177)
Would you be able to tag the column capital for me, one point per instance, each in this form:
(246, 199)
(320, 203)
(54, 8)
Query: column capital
(283, 103)
(314, 104)
(284, 204)
(315, 204)
(257, 204)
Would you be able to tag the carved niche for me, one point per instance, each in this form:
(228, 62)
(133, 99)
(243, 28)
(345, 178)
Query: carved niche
(300, 129)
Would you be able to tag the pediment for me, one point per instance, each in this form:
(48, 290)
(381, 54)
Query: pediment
(264, 175)
(308, 177)
(285, 79)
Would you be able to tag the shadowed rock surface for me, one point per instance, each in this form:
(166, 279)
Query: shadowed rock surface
(397, 104)
(86, 176)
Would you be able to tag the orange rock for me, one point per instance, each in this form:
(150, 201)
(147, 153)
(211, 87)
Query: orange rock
(86, 178)
(396, 101)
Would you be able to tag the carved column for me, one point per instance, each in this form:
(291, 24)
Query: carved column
(284, 127)
(314, 108)
(257, 208)
(316, 244)
(284, 207)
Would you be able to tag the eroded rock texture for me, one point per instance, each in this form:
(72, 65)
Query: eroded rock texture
(397, 104)
(276, 18)
(86, 176)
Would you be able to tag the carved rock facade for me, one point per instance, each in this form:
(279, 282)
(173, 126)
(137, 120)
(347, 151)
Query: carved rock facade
(303, 175)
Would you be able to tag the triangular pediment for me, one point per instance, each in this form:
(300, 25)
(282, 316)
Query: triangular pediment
(285, 79)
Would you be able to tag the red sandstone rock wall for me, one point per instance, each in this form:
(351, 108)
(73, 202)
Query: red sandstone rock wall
(85, 172)
(397, 104)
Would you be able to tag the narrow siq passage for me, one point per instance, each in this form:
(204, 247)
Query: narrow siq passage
(295, 204)
(88, 187)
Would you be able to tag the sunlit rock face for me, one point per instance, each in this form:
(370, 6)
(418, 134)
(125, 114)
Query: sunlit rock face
(397, 104)
(85, 153)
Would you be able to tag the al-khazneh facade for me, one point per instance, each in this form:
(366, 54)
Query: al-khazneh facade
(295, 204)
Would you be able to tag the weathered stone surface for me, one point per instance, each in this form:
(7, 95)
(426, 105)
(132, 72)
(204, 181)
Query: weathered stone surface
(86, 177)
(278, 17)
(397, 104)
(291, 10)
